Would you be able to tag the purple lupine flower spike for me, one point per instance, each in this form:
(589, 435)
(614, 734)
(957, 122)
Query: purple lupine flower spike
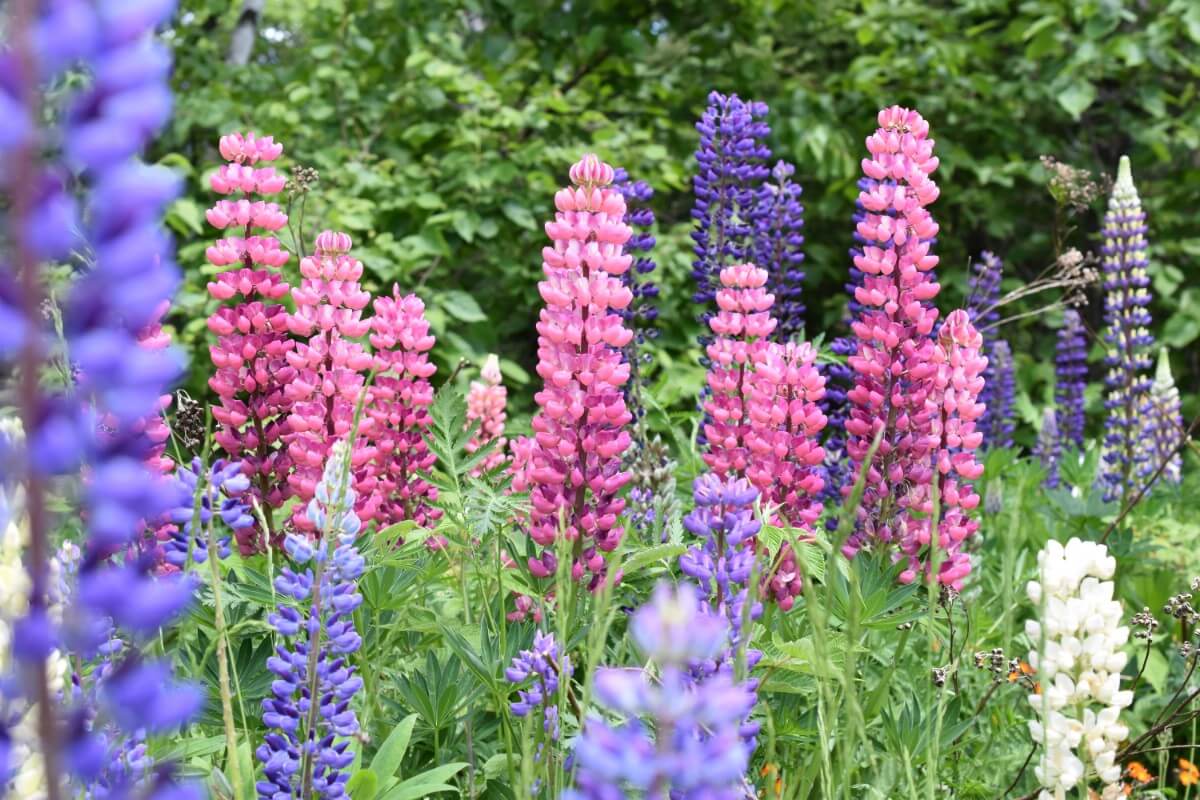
(541, 670)
(677, 737)
(730, 166)
(983, 295)
(1070, 379)
(1128, 341)
(723, 566)
(778, 246)
(221, 494)
(317, 612)
(1048, 448)
(1165, 423)
(641, 313)
(95, 426)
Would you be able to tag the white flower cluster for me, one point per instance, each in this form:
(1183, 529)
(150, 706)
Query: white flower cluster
(1079, 657)
(28, 777)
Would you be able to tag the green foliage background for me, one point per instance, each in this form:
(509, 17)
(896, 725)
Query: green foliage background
(441, 131)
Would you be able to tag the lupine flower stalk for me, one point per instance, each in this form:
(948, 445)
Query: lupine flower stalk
(330, 365)
(399, 409)
(894, 366)
(731, 163)
(487, 400)
(723, 567)
(1048, 449)
(641, 312)
(1070, 379)
(839, 376)
(784, 393)
(652, 501)
(22, 772)
(1127, 338)
(1079, 656)
(221, 494)
(740, 328)
(253, 341)
(778, 245)
(677, 737)
(549, 669)
(953, 408)
(581, 426)
(1165, 424)
(983, 297)
(309, 716)
(122, 100)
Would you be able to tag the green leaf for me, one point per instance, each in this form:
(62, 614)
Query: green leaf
(1077, 98)
(386, 762)
(646, 556)
(428, 782)
(463, 306)
(519, 214)
(363, 785)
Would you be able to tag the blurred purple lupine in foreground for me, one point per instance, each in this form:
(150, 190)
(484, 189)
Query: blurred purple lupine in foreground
(678, 737)
(97, 425)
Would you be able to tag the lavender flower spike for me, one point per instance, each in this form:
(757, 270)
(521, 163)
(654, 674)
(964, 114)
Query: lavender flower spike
(778, 219)
(999, 386)
(1070, 379)
(1127, 338)
(730, 166)
(678, 738)
(220, 495)
(1048, 449)
(307, 749)
(1164, 424)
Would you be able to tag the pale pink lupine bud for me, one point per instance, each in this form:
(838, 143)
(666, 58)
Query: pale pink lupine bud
(573, 466)
(486, 402)
(333, 242)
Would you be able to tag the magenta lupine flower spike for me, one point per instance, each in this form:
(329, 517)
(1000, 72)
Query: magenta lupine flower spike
(954, 408)
(331, 367)
(894, 364)
(253, 343)
(740, 327)
(399, 409)
(581, 427)
(785, 421)
(487, 400)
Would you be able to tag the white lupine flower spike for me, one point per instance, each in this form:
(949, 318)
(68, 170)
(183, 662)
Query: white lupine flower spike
(1079, 653)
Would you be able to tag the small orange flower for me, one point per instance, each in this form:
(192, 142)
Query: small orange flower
(1189, 773)
(1126, 789)
(772, 769)
(1137, 770)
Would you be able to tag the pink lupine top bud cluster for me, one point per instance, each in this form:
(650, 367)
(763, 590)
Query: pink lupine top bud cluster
(487, 400)
(253, 345)
(899, 382)
(331, 366)
(581, 428)
(399, 408)
(742, 321)
(954, 407)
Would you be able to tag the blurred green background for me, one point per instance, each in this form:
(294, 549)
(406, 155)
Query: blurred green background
(442, 129)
